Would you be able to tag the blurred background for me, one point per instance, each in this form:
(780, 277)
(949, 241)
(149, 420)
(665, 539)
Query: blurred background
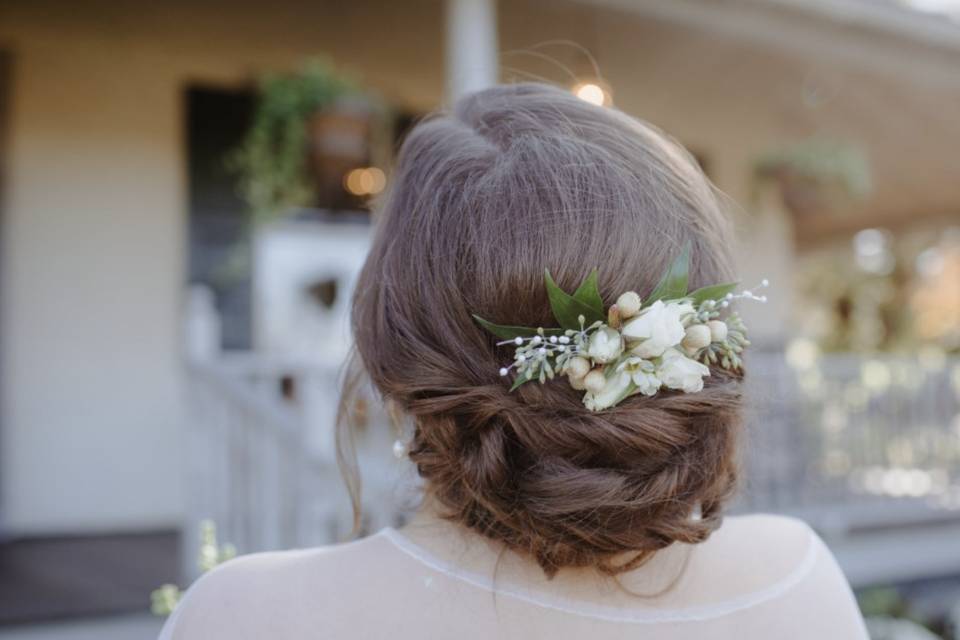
(184, 205)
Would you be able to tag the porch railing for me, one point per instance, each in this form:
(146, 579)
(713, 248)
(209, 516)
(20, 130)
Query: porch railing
(848, 443)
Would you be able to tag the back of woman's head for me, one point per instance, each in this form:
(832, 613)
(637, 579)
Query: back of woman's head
(512, 181)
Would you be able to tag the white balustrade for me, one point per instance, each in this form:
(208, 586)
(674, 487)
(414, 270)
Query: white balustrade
(848, 443)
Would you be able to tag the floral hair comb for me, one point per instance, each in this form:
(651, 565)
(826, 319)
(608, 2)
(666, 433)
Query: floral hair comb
(636, 346)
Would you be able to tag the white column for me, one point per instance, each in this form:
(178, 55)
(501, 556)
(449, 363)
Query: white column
(471, 46)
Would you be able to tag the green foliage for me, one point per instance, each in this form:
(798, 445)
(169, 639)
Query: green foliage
(589, 294)
(271, 162)
(526, 376)
(887, 603)
(823, 161)
(509, 332)
(165, 599)
(882, 601)
(584, 307)
(567, 309)
(712, 292)
(673, 283)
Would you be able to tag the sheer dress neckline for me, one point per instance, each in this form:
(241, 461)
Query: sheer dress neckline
(607, 613)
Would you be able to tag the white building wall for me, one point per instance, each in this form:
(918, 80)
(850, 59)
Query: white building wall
(94, 232)
(93, 265)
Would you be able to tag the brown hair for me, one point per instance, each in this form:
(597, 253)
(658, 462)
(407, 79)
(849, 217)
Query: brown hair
(514, 180)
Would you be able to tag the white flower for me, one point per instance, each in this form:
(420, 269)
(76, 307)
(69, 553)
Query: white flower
(718, 330)
(697, 337)
(643, 373)
(628, 304)
(658, 327)
(680, 372)
(606, 345)
(616, 386)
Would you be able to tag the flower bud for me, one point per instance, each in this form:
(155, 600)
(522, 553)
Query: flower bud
(578, 367)
(718, 330)
(576, 383)
(605, 345)
(613, 317)
(595, 381)
(629, 304)
(696, 337)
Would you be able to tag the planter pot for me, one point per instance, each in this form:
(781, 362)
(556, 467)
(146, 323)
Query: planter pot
(339, 139)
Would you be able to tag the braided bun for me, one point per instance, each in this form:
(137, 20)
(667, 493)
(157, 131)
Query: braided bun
(514, 180)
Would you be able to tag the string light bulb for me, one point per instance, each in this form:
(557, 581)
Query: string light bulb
(365, 181)
(593, 92)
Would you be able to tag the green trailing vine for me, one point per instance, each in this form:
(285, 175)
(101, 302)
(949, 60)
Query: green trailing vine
(272, 160)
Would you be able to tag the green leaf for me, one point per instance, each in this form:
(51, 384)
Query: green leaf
(589, 293)
(510, 332)
(673, 284)
(713, 292)
(567, 309)
(519, 380)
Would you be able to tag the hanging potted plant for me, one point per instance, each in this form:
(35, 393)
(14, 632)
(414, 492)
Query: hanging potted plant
(309, 128)
(815, 175)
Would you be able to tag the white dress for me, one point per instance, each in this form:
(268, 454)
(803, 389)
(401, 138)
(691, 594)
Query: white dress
(756, 577)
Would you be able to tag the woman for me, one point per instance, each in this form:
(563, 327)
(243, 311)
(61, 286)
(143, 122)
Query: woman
(579, 491)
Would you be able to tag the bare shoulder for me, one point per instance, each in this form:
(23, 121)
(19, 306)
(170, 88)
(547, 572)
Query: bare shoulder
(272, 593)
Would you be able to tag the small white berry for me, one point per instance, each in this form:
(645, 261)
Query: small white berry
(724, 304)
(521, 357)
(748, 294)
(729, 296)
(504, 371)
(764, 283)
(561, 348)
(537, 340)
(553, 339)
(762, 298)
(542, 351)
(518, 340)
(564, 340)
